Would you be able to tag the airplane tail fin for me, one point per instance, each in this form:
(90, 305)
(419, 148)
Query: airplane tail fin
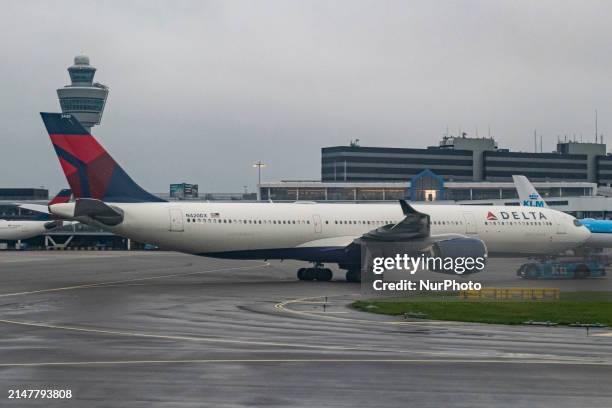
(91, 172)
(528, 195)
(62, 197)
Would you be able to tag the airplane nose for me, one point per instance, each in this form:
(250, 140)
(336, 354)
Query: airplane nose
(585, 234)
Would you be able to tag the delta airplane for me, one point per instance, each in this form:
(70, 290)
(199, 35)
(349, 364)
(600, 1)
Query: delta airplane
(601, 230)
(106, 197)
(23, 229)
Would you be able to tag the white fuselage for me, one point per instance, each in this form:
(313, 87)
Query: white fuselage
(16, 230)
(217, 228)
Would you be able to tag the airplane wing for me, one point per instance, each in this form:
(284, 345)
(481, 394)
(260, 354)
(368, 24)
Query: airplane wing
(413, 235)
(43, 209)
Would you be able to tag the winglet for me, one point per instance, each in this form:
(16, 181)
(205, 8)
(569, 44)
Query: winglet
(407, 208)
(62, 197)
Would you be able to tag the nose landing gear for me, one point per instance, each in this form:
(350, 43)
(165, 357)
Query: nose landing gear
(317, 273)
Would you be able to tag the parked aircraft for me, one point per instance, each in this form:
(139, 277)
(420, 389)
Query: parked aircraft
(601, 230)
(16, 230)
(108, 198)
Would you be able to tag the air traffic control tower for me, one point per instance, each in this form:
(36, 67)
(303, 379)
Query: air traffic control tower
(83, 98)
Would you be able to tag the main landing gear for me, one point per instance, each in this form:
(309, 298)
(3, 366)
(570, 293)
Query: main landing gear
(317, 273)
(353, 275)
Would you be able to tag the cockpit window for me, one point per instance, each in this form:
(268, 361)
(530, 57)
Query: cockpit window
(577, 223)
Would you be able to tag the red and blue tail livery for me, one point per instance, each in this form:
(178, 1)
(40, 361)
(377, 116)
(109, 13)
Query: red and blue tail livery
(91, 172)
(62, 197)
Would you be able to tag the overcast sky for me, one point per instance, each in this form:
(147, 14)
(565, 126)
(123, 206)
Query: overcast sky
(201, 90)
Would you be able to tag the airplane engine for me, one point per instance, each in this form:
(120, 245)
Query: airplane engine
(459, 250)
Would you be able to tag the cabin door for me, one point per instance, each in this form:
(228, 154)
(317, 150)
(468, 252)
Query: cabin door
(176, 220)
(560, 225)
(470, 223)
(316, 220)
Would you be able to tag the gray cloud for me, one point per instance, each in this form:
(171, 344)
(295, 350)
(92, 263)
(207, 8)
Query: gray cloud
(201, 90)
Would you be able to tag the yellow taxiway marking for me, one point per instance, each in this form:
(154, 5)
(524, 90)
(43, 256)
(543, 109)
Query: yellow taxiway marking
(93, 285)
(606, 334)
(308, 361)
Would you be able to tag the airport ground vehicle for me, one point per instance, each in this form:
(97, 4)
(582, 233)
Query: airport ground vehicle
(563, 269)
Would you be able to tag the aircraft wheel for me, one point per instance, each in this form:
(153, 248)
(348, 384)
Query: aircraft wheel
(310, 274)
(324, 274)
(301, 274)
(353, 275)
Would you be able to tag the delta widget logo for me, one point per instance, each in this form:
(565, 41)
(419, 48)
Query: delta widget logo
(491, 216)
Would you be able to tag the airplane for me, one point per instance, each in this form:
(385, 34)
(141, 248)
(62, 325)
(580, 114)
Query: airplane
(601, 230)
(108, 198)
(17, 230)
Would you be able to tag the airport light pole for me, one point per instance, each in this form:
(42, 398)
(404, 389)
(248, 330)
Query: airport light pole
(259, 166)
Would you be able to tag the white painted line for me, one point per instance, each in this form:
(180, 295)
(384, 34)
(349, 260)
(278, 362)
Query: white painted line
(172, 337)
(307, 361)
(283, 306)
(93, 285)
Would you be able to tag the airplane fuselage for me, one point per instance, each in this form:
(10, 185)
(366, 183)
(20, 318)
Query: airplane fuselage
(309, 231)
(17, 230)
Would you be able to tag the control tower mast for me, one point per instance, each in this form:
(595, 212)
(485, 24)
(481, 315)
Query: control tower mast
(83, 98)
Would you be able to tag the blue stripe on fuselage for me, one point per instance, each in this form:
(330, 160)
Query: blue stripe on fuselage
(318, 254)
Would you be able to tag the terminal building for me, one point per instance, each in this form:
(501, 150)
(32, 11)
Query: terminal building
(576, 178)
(467, 159)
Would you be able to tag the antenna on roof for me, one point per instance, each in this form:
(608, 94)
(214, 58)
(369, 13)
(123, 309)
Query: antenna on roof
(541, 150)
(595, 125)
